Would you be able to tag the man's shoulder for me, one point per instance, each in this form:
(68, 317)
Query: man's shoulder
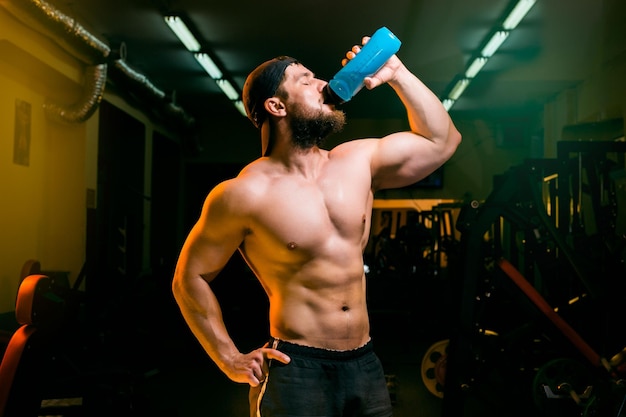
(353, 147)
(353, 153)
(252, 175)
(245, 185)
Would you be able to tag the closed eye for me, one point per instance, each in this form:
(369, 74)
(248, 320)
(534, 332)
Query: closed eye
(306, 77)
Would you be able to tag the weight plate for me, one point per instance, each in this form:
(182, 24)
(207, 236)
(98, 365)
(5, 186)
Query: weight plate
(434, 367)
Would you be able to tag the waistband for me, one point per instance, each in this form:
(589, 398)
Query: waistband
(320, 353)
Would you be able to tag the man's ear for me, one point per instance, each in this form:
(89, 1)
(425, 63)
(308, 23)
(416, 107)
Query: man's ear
(275, 106)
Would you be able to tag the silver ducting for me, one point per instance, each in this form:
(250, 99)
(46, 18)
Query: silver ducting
(145, 91)
(95, 81)
(138, 78)
(62, 29)
(83, 45)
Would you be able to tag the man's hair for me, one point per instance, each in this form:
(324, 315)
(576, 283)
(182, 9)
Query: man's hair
(261, 84)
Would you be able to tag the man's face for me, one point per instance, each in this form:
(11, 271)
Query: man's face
(310, 119)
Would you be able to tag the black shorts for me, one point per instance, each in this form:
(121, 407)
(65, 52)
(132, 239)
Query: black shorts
(322, 383)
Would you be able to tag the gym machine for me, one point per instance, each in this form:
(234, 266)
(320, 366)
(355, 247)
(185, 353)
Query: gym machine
(539, 289)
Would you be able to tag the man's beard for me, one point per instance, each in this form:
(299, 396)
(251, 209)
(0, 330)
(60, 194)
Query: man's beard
(310, 128)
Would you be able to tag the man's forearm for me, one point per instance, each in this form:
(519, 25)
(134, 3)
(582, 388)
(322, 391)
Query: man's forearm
(427, 116)
(201, 311)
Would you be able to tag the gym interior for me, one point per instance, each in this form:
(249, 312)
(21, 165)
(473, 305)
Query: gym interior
(496, 286)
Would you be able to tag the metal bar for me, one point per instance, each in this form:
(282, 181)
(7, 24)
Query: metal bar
(549, 312)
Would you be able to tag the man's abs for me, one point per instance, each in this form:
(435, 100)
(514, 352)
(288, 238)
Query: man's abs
(331, 318)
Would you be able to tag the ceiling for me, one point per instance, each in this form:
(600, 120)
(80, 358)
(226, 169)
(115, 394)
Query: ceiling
(555, 47)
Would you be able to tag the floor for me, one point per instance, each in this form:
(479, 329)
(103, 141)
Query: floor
(139, 359)
(173, 377)
(185, 383)
(194, 387)
(409, 316)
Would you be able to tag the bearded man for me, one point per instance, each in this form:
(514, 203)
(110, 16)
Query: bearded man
(300, 217)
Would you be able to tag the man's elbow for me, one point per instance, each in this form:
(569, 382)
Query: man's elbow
(178, 288)
(454, 136)
(176, 292)
(454, 139)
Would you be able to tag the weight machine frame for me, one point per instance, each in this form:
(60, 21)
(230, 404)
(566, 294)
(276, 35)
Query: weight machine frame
(545, 244)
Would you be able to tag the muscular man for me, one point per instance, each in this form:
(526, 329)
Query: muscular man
(300, 217)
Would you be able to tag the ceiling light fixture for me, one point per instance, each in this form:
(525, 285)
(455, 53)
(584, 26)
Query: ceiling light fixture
(458, 88)
(497, 39)
(477, 64)
(240, 107)
(183, 33)
(228, 89)
(209, 65)
(180, 29)
(517, 14)
(448, 103)
(499, 34)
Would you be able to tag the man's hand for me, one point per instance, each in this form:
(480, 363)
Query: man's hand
(252, 368)
(384, 74)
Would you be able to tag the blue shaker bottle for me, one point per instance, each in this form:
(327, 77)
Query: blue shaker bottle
(373, 55)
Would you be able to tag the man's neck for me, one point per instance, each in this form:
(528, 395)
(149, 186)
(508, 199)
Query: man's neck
(305, 161)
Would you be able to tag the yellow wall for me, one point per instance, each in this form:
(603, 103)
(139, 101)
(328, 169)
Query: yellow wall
(42, 214)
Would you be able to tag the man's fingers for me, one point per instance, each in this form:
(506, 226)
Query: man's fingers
(259, 374)
(276, 354)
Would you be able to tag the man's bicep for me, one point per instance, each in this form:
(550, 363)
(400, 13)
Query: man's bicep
(401, 159)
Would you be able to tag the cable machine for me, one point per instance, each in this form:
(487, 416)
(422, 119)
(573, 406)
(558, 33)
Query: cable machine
(540, 287)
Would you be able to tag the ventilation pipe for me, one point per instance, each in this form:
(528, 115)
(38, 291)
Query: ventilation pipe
(62, 29)
(145, 91)
(80, 43)
(95, 81)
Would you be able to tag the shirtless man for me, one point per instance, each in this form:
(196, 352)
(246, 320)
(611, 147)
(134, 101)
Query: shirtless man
(300, 217)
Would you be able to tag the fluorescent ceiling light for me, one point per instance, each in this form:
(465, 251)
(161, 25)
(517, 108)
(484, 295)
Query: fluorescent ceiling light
(475, 67)
(183, 33)
(448, 103)
(517, 14)
(228, 89)
(494, 43)
(458, 88)
(209, 66)
(240, 107)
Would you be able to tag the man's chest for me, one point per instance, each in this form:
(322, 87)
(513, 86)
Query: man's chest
(311, 213)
